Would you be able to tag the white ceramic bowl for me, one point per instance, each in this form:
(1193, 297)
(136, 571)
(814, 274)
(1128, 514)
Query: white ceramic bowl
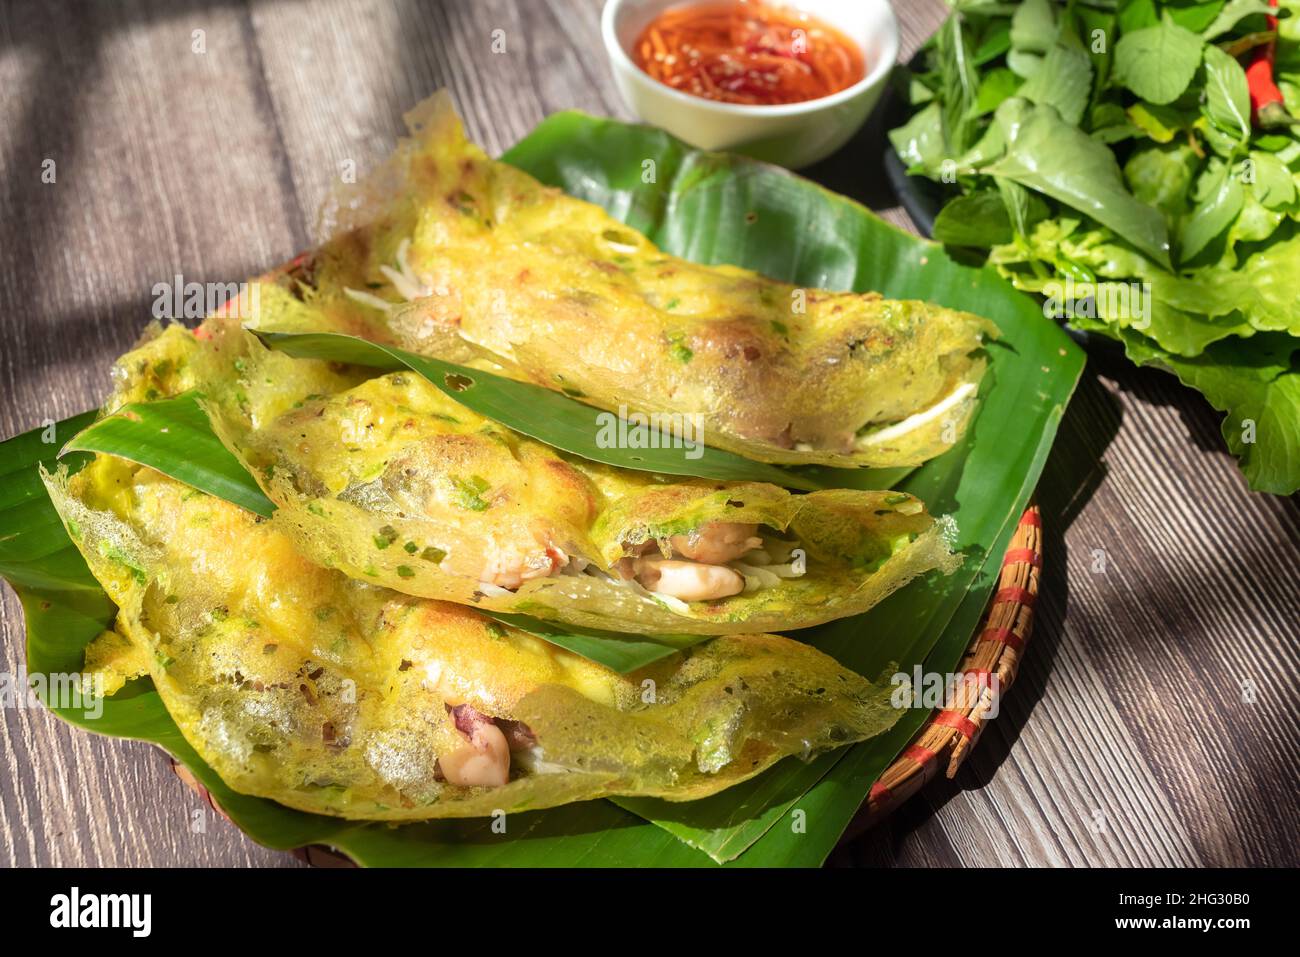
(791, 134)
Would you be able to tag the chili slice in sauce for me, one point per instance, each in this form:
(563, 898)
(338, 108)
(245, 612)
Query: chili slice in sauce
(750, 53)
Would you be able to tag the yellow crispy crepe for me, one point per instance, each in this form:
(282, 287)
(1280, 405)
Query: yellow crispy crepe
(329, 695)
(394, 483)
(451, 254)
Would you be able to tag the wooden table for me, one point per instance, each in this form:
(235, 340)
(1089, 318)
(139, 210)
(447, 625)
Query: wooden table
(1155, 720)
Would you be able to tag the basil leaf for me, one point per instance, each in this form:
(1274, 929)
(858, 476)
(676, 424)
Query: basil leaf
(1233, 13)
(976, 219)
(1196, 16)
(1023, 63)
(1161, 123)
(1227, 94)
(1160, 175)
(994, 42)
(919, 142)
(1109, 123)
(1220, 196)
(1137, 15)
(998, 84)
(1274, 185)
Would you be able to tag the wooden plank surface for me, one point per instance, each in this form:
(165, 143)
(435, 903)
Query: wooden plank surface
(1153, 722)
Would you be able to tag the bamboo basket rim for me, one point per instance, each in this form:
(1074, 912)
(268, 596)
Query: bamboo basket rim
(948, 735)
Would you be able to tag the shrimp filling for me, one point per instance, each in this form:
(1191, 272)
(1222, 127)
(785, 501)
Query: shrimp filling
(704, 564)
(484, 759)
(687, 581)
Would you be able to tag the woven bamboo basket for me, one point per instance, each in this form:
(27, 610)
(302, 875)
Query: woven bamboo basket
(950, 733)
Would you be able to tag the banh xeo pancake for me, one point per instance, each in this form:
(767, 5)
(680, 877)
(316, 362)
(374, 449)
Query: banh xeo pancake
(392, 482)
(298, 684)
(448, 253)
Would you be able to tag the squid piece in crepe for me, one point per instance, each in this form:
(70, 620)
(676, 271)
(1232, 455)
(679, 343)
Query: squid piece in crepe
(392, 482)
(451, 254)
(329, 695)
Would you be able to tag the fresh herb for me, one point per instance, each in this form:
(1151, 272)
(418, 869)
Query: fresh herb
(1136, 165)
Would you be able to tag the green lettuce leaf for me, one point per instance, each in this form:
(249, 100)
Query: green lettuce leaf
(1256, 383)
(1169, 99)
(1263, 289)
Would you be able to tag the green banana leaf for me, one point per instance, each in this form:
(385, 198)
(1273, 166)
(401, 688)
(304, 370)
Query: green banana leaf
(65, 609)
(544, 415)
(175, 437)
(712, 208)
(175, 431)
(622, 653)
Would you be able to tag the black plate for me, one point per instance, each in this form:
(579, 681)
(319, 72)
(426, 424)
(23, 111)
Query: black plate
(921, 197)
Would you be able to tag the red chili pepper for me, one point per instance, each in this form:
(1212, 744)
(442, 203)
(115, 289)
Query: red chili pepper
(1267, 107)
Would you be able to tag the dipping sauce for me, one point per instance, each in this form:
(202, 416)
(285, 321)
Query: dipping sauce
(745, 52)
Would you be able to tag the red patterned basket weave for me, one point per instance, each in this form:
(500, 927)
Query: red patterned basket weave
(994, 653)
